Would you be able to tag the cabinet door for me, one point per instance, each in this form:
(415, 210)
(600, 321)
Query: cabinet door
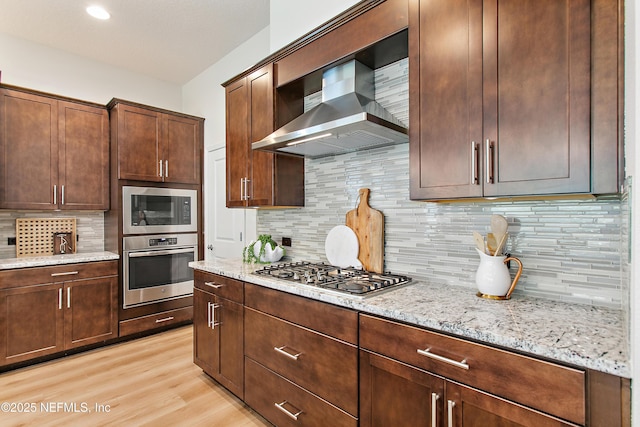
(28, 151)
(230, 316)
(472, 408)
(395, 394)
(31, 322)
(91, 311)
(261, 124)
(206, 339)
(138, 138)
(237, 124)
(537, 96)
(84, 157)
(182, 150)
(446, 102)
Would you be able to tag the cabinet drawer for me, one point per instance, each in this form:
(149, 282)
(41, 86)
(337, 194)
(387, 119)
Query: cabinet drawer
(320, 364)
(154, 321)
(55, 274)
(337, 322)
(546, 386)
(265, 390)
(221, 286)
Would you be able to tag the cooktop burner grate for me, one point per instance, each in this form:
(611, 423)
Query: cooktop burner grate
(343, 280)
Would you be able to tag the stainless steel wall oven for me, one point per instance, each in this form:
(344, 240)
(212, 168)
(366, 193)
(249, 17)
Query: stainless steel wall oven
(156, 267)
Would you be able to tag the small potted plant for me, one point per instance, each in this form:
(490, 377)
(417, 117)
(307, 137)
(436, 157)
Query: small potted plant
(263, 251)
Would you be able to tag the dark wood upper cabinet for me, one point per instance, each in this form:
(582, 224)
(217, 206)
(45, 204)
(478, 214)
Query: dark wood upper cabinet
(501, 105)
(54, 153)
(257, 178)
(156, 145)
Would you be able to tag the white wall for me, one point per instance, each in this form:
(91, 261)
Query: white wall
(291, 19)
(204, 96)
(35, 66)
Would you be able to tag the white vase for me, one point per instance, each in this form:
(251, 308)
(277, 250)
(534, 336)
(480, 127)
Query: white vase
(269, 255)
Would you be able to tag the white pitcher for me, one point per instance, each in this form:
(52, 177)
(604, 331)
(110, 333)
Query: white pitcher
(493, 279)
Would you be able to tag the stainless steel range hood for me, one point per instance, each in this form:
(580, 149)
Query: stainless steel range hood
(348, 119)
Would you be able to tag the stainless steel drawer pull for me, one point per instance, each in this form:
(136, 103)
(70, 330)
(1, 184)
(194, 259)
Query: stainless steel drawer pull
(450, 405)
(434, 411)
(213, 285)
(287, 412)
(286, 353)
(166, 319)
(60, 299)
(68, 297)
(428, 353)
(67, 273)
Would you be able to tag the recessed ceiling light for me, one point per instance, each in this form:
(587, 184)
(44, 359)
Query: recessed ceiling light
(98, 12)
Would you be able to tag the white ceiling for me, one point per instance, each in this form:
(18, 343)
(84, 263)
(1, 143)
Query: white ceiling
(171, 40)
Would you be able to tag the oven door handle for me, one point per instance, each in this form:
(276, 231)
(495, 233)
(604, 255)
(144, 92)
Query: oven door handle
(154, 253)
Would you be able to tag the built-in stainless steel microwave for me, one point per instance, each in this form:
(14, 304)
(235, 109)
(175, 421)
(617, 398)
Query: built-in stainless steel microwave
(149, 210)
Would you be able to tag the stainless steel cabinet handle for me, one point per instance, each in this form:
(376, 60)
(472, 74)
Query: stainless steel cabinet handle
(213, 285)
(489, 156)
(166, 319)
(434, 400)
(55, 194)
(286, 353)
(68, 297)
(160, 168)
(166, 168)
(474, 163)
(246, 188)
(62, 195)
(60, 299)
(241, 188)
(289, 414)
(450, 405)
(212, 315)
(428, 353)
(66, 273)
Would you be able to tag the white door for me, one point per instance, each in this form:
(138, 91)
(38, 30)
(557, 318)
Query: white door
(223, 228)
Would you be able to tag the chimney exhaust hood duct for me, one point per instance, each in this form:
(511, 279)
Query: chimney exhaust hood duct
(347, 119)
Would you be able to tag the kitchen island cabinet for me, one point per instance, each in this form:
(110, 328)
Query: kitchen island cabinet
(257, 178)
(46, 310)
(155, 145)
(54, 152)
(218, 325)
(517, 80)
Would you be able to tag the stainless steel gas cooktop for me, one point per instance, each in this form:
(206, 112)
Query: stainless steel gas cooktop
(350, 281)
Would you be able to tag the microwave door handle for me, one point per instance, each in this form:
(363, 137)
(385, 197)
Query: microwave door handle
(154, 253)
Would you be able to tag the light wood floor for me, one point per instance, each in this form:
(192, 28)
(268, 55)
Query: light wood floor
(147, 382)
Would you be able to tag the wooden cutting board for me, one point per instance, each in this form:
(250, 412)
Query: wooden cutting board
(368, 225)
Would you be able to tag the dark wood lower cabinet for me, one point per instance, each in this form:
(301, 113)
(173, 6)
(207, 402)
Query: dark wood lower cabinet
(56, 309)
(395, 394)
(218, 326)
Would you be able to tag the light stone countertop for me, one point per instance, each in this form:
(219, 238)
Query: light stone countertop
(46, 261)
(585, 336)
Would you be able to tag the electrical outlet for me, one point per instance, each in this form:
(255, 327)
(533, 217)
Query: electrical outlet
(286, 241)
(11, 241)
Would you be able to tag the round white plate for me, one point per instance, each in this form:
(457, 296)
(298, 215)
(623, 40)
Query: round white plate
(341, 247)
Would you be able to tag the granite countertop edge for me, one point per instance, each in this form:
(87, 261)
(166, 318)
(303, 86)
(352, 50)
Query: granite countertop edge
(52, 260)
(581, 335)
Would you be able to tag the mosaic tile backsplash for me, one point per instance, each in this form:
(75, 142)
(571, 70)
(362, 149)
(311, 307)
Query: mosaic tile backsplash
(571, 249)
(89, 227)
